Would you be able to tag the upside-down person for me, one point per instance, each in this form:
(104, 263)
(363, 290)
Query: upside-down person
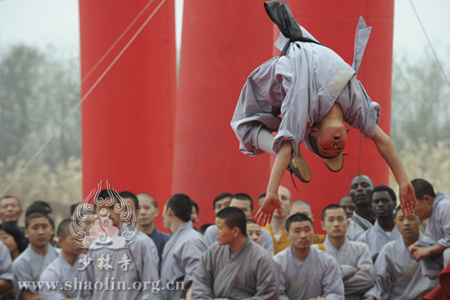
(315, 91)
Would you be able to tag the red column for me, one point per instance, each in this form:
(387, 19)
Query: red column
(128, 110)
(333, 23)
(222, 43)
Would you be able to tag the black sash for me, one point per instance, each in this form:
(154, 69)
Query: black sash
(281, 15)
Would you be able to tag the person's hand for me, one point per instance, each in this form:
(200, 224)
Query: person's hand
(412, 248)
(407, 198)
(265, 213)
(420, 252)
(355, 270)
(370, 297)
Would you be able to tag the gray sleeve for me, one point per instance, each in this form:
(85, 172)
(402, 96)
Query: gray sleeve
(333, 286)
(190, 258)
(267, 282)
(364, 278)
(383, 276)
(202, 285)
(49, 276)
(267, 242)
(5, 264)
(347, 271)
(283, 279)
(147, 269)
(432, 265)
(443, 218)
(295, 106)
(154, 252)
(22, 273)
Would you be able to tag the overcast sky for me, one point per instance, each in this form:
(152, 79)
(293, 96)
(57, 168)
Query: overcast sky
(56, 22)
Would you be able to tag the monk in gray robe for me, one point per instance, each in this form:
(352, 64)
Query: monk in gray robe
(384, 230)
(29, 265)
(360, 191)
(148, 211)
(120, 265)
(306, 272)
(353, 257)
(245, 203)
(133, 202)
(235, 267)
(397, 274)
(66, 269)
(435, 208)
(317, 94)
(182, 251)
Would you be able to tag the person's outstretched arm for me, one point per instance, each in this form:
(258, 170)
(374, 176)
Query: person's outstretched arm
(386, 148)
(271, 202)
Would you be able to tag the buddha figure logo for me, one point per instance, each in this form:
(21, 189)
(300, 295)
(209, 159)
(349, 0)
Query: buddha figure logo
(107, 221)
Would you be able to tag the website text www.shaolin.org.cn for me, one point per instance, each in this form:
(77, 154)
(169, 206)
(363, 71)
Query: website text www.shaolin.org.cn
(109, 284)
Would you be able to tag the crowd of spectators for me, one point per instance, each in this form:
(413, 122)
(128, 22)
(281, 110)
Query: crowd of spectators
(112, 249)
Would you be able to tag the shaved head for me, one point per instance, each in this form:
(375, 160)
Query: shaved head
(301, 207)
(147, 196)
(301, 202)
(360, 190)
(64, 228)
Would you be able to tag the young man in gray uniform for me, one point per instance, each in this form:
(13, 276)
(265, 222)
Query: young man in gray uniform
(39, 254)
(305, 271)
(363, 217)
(436, 209)
(183, 250)
(245, 203)
(353, 257)
(235, 267)
(397, 274)
(120, 254)
(384, 230)
(315, 91)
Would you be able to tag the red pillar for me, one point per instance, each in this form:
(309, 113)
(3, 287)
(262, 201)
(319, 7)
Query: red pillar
(222, 43)
(333, 23)
(128, 115)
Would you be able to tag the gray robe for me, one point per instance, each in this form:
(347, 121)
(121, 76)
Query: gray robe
(29, 266)
(267, 242)
(68, 278)
(160, 239)
(354, 230)
(398, 275)
(438, 226)
(376, 238)
(156, 262)
(138, 275)
(318, 275)
(250, 273)
(353, 255)
(180, 258)
(302, 87)
(5, 268)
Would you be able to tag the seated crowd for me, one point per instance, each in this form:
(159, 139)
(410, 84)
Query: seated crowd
(110, 248)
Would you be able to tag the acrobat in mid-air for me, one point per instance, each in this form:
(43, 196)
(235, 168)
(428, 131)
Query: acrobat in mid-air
(315, 91)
